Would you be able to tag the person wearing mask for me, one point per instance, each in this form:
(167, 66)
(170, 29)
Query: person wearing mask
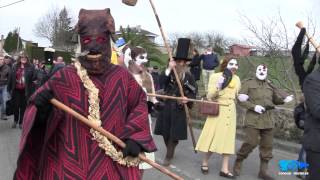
(259, 96)
(4, 75)
(21, 86)
(55, 145)
(195, 65)
(219, 133)
(209, 62)
(171, 122)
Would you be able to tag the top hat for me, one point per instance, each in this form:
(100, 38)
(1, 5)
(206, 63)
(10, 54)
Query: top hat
(183, 50)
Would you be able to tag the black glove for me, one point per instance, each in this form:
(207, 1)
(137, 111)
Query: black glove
(150, 105)
(132, 149)
(41, 101)
(159, 106)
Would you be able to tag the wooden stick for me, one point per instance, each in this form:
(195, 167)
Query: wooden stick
(176, 75)
(311, 39)
(181, 98)
(110, 136)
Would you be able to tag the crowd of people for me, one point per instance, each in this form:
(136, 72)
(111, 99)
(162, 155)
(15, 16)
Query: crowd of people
(109, 85)
(19, 79)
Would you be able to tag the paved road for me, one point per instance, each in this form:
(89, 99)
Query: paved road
(185, 164)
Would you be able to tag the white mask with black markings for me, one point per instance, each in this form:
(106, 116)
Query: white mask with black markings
(141, 59)
(262, 72)
(233, 64)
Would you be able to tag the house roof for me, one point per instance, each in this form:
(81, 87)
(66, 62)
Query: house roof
(138, 29)
(242, 46)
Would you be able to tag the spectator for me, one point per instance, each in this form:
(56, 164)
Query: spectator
(195, 68)
(57, 65)
(8, 61)
(156, 77)
(21, 86)
(210, 62)
(311, 137)
(4, 75)
(41, 74)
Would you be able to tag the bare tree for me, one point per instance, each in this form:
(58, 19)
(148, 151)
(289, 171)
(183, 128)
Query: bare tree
(271, 37)
(198, 39)
(56, 27)
(46, 27)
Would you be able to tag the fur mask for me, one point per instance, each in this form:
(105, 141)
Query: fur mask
(95, 28)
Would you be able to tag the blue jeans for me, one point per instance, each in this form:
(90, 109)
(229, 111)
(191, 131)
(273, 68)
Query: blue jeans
(4, 97)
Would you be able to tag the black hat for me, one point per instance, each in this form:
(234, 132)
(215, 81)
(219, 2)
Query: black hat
(183, 50)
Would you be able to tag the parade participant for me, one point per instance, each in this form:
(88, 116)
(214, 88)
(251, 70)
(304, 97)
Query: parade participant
(54, 145)
(144, 79)
(306, 112)
(258, 96)
(300, 57)
(171, 121)
(218, 133)
(311, 136)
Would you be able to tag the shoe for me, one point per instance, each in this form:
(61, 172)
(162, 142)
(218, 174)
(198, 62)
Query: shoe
(204, 169)
(14, 125)
(166, 162)
(228, 175)
(265, 176)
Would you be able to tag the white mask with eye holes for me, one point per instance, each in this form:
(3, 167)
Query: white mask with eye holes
(262, 72)
(141, 59)
(233, 64)
(127, 57)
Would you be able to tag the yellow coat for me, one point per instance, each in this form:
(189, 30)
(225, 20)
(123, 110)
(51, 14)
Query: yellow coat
(218, 133)
(114, 58)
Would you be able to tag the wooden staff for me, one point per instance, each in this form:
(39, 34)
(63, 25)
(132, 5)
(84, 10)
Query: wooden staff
(175, 74)
(110, 136)
(181, 98)
(313, 42)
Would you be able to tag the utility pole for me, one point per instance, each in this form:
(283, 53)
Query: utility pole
(18, 39)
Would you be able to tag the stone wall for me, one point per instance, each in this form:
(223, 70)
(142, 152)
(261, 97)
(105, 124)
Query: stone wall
(285, 128)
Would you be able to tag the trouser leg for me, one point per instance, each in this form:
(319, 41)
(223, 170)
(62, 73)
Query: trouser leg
(313, 159)
(250, 142)
(170, 147)
(265, 148)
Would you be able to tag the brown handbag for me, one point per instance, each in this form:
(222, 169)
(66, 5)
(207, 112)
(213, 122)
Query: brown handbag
(209, 109)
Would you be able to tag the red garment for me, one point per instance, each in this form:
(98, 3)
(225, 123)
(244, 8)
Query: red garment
(64, 149)
(20, 81)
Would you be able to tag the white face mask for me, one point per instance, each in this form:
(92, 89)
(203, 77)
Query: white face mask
(127, 57)
(262, 72)
(141, 59)
(232, 64)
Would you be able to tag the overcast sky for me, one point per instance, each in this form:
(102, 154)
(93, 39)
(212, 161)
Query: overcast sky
(175, 15)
